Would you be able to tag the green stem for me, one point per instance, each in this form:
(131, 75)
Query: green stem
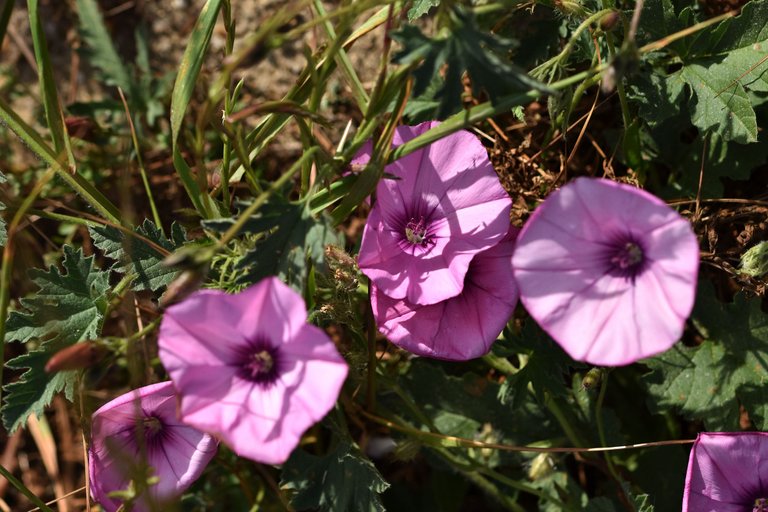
(601, 426)
(481, 112)
(523, 487)
(232, 232)
(371, 332)
(38, 146)
(343, 60)
(23, 490)
(65, 218)
(501, 364)
(555, 407)
(619, 86)
(140, 163)
(489, 488)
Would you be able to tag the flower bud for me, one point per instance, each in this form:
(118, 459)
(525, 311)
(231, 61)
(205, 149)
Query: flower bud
(609, 21)
(542, 465)
(754, 262)
(80, 355)
(592, 379)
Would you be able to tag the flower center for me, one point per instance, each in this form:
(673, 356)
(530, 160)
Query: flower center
(627, 258)
(761, 505)
(416, 232)
(260, 364)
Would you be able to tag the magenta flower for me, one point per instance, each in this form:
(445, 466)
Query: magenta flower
(462, 327)
(140, 429)
(249, 369)
(727, 472)
(608, 270)
(425, 227)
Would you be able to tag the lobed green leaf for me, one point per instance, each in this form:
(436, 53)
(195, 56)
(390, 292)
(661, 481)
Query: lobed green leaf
(68, 307)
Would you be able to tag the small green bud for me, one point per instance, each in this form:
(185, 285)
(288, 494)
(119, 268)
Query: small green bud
(592, 379)
(542, 465)
(754, 262)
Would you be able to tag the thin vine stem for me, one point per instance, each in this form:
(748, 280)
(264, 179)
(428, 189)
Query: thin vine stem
(463, 442)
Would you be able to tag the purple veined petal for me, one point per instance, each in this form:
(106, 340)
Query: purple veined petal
(445, 206)
(462, 327)
(177, 453)
(611, 287)
(726, 472)
(285, 374)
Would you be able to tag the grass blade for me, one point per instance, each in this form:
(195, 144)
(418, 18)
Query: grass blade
(53, 112)
(183, 89)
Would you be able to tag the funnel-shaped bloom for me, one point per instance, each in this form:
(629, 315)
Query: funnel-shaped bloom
(139, 430)
(608, 270)
(249, 369)
(727, 472)
(445, 206)
(462, 327)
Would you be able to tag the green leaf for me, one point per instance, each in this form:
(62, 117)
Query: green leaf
(658, 96)
(731, 367)
(135, 255)
(68, 307)
(343, 480)
(742, 31)
(191, 63)
(470, 400)
(545, 369)
(291, 236)
(100, 51)
(465, 47)
(3, 231)
(183, 88)
(720, 105)
(420, 8)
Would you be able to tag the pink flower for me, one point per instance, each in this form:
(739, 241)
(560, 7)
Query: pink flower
(140, 429)
(608, 270)
(426, 226)
(249, 369)
(727, 472)
(462, 327)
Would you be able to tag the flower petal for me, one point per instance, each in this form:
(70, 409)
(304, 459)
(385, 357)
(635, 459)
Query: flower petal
(568, 285)
(462, 327)
(725, 472)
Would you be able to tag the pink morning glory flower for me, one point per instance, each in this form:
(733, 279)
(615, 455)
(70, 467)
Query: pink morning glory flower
(445, 206)
(140, 429)
(249, 369)
(727, 472)
(462, 327)
(608, 270)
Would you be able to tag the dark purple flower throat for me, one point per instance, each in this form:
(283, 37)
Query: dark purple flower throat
(260, 363)
(626, 257)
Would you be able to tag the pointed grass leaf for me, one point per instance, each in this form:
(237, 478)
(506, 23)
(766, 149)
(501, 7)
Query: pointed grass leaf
(709, 382)
(341, 481)
(53, 112)
(68, 307)
(142, 255)
(183, 88)
(191, 63)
